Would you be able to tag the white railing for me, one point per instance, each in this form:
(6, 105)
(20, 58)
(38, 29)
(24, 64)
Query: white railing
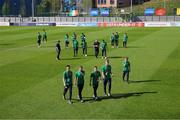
(89, 19)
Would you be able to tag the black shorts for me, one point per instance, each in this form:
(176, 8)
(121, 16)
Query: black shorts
(67, 42)
(112, 42)
(96, 49)
(95, 85)
(39, 41)
(75, 49)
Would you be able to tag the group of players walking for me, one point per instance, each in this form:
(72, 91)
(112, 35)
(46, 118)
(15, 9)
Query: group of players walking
(105, 75)
(114, 39)
(41, 38)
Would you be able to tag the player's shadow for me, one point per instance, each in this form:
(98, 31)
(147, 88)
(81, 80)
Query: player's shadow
(135, 47)
(91, 55)
(116, 57)
(125, 95)
(118, 96)
(145, 81)
(6, 44)
(73, 58)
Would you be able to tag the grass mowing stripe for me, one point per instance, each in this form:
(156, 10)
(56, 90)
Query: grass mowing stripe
(14, 29)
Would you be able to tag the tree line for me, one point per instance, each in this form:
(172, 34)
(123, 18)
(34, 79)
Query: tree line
(41, 7)
(23, 7)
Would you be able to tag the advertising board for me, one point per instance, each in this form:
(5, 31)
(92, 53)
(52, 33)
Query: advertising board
(104, 12)
(94, 12)
(68, 24)
(4, 24)
(162, 24)
(121, 24)
(91, 24)
(32, 24)
(178, 11)
(149, 11)
(160, 12)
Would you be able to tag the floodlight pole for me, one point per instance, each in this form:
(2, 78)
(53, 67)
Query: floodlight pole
(131, 6)
(131, 10)
(32, 8)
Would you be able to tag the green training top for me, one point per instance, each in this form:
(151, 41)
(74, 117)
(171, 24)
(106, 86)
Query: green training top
(73, 36)
(44, 34)
(117, 37)
(107, 71)
(125, 38)
(103, 45)
(126, 66)
(94, 78)
(84, 44)
(73, 39)
(112, 37)
(75, 44)
(80, 77)
(39, 36)
(68, 77)
(66, 37)
(83, 38)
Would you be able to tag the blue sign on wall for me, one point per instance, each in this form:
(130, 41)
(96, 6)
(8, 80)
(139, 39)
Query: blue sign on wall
(149, 11)
(88, 24)
(104, 12)
(94, 12)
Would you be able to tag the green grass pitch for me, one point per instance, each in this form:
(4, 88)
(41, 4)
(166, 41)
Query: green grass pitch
(31, 79)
